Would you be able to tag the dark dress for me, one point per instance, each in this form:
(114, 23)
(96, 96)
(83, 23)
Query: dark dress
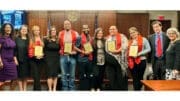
(22, 57)
(9, 71)
(51, 51)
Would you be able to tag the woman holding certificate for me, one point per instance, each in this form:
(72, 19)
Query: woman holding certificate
(36, 55)
(51, 51)
(85, 58)
(137, 49)
(22, 42)
(116, 61)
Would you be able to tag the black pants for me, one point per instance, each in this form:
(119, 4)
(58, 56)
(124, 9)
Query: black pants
(118, 81)
(86, 75)
(137, 74)
(159, 69)
(36, 66)
(98, 78)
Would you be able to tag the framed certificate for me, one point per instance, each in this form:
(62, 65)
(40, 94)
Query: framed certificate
(133, 51)
(88, 47)
(67, 47)
(38, 51)
(111, 45)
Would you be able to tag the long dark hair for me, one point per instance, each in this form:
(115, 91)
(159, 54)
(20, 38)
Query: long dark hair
(3, 30)
(19, 32)
(95, 36)
(49, 35)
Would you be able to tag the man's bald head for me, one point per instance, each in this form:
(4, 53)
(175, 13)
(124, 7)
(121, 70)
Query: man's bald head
(67, 25)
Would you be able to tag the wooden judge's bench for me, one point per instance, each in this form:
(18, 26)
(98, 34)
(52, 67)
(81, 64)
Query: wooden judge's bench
(161, 85)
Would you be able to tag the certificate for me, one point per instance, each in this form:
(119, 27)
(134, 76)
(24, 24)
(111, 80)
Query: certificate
(38, 51)
(68, 47)
(88, 47)
(133, 51)
(111, 46)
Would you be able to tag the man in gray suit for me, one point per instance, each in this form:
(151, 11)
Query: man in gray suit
(159, 43)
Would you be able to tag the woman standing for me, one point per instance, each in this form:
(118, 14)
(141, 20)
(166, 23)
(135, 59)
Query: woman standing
(173, 54)
(85, 58)
(36, 55)
(8, 61)
(99, 57)
(22, 43)
(137, 62)
(52, 58)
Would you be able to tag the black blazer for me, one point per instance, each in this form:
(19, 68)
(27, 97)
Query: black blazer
(173, 56)
(21, 51)
(176, 56)
(153, 48)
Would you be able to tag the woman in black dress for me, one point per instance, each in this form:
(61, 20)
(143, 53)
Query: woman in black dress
(22, 43)
(52, 58)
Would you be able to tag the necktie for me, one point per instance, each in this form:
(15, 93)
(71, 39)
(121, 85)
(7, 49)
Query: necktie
(159, 47)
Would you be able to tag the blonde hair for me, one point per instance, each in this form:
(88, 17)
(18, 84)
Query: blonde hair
(133, 28)
(34, 28)
(173, 31)
(32, 37)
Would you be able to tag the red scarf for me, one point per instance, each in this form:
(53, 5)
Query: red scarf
(83, 41)
(61, 40)
(136, 60)
(31, 48)
(118, 41)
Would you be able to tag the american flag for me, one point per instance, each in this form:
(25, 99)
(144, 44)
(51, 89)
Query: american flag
(49, 25)
(96, 21)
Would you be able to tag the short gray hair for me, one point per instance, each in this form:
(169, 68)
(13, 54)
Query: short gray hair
(174, 31)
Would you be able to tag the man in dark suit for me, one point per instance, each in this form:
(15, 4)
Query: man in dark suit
(159, 43)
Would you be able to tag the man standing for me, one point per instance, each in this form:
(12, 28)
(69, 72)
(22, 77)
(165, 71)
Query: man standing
(67, 40)
(85, 58)
(159, 43)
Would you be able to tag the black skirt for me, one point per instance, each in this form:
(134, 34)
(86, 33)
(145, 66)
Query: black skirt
(53, 66)
(23, 70)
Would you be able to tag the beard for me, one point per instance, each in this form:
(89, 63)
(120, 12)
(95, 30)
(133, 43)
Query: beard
(67, 29)
(86, 32)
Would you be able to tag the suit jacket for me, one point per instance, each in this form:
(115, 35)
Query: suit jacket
(177, 55)
(173, 56)
(152, 39)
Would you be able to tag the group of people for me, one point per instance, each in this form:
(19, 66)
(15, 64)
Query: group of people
(68, 51)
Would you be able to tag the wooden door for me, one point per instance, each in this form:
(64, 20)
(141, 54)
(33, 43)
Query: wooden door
(138, 20)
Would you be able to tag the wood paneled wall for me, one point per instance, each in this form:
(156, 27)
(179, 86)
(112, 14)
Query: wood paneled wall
(37, 18)
(105, 19)
(41, 18)
(178, 20)
(138, 20)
